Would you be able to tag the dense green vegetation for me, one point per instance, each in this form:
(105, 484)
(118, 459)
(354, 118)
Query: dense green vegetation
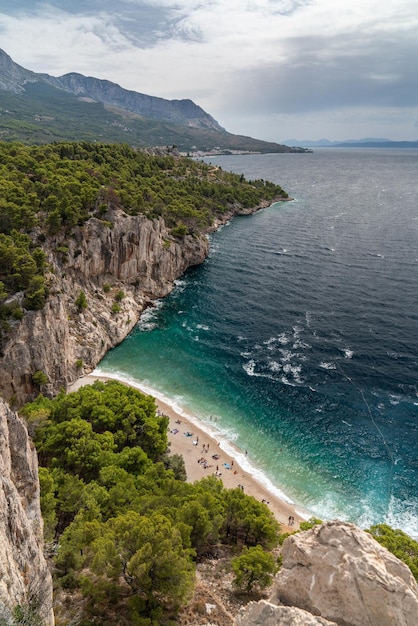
(43, 114)
(50, 189)
(399, 543)
(129, 529)
(254, 567)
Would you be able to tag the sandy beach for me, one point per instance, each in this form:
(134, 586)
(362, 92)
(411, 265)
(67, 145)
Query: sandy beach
(198, 449)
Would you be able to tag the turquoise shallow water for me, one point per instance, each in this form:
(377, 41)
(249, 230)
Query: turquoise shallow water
(298, 335)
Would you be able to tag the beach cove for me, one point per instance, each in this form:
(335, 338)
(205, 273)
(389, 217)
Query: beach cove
(194, 442)
(298, 334)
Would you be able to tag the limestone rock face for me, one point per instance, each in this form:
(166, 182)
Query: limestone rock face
(133, 255)
(266, 614)
(24, 575)
(340, 572)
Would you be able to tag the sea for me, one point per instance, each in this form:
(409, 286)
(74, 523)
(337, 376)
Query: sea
(296, 342)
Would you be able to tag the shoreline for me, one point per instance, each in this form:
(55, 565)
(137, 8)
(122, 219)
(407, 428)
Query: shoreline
(232, 466)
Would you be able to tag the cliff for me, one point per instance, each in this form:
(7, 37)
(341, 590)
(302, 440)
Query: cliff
(131, 254)
(24, 577)
(183, 112)
(126, 254)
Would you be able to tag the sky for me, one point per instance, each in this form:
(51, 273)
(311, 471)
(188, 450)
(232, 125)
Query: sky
(269, 69)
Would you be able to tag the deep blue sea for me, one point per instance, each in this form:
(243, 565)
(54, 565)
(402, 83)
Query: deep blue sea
(297, 339)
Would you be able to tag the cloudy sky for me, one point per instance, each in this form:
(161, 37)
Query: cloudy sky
(271, 69)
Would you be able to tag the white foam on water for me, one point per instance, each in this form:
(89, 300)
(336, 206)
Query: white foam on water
(180, 284)
(327, 366)
(283, 339)
(234, 453)
(249, 367)
(274, 366)
(224, 436)
(394, 399)
(147, 320)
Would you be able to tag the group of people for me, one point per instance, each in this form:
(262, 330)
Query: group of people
(291, 520)
(203, 462)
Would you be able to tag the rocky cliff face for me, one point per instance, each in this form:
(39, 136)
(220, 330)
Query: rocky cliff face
(126, 254)
(24, 576)
(12, 75)
(183, 112)
(132, 254)
(340, 573)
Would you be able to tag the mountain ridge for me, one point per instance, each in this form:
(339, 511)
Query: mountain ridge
(39, 108)
(14, 77)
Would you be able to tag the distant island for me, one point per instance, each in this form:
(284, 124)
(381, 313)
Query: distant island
(353, 143)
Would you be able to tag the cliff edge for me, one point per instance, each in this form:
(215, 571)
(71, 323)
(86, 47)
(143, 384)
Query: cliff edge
(121, 265)
(25, 581)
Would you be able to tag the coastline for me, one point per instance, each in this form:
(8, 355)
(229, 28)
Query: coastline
(203, 444)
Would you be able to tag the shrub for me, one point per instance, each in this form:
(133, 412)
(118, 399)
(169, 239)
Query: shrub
(39, 378)
(253, 568)
(81, 301)
(120, 296)
(179, 231)
(399, 543)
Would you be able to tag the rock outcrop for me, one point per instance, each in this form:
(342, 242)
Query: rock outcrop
(24, 576)
(341, 573)
(267, 614)
(128, 254)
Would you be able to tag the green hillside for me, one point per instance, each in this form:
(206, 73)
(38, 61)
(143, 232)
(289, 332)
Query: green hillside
(50, 189)
(43, 114)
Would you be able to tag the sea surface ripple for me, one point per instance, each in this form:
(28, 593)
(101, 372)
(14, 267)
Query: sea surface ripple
(297, 339)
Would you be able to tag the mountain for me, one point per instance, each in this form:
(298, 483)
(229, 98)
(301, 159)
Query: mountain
(14, 78)
(39, 108)
(377, 143)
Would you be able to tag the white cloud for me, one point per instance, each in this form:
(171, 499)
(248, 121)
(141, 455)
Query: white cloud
(240, 60)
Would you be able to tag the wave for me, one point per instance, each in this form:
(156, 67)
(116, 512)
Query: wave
(148, 319)
(326, 365)
(223, 435)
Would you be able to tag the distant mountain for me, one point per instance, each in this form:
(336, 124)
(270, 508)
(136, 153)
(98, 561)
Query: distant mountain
(15, 78)
(39, 108)
(377, 143)
(352, 143)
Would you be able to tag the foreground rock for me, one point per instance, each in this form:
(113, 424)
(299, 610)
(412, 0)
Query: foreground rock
(267, 614)
(24, 577)
(340, 572)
